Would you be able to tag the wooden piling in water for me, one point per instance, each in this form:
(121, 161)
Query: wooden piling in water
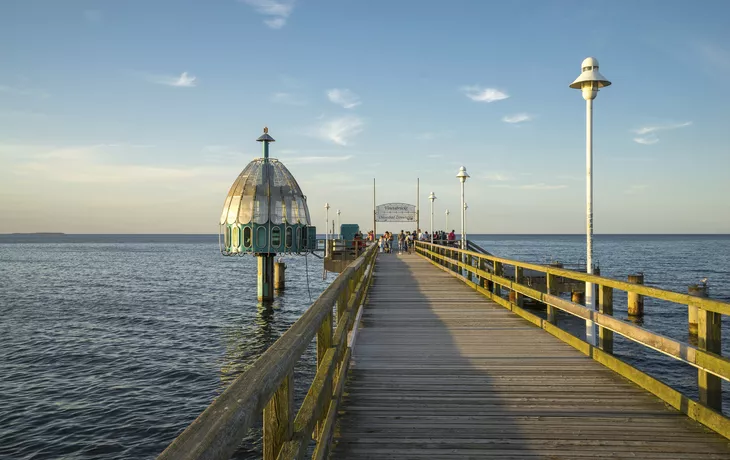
(279, 278)
(697, 291)
(636, 301)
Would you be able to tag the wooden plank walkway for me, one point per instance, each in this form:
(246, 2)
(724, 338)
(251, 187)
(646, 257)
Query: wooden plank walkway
(439, 371)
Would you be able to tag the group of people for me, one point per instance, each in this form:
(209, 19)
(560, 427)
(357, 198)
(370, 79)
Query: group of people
(405, 240)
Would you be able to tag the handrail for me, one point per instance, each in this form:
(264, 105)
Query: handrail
(705, 357)
(267, 386)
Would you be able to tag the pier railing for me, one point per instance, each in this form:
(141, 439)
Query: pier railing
(267, 387)
(485, 273)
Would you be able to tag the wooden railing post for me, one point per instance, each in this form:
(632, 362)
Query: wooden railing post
(605, 306)
(636, 301)
(709, 337)
(324, 342)
(278, 418)
(552, 289)
(497, 272)
(469, 262)
(519, 278)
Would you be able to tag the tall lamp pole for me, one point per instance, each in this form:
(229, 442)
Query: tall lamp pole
(327, 229)
(589, 81)
(463, 176)
(447, 221)
(466, 206)
(431, 197)
(338, 224)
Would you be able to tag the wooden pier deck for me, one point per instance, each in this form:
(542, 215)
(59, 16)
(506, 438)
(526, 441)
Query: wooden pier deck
(439, 371)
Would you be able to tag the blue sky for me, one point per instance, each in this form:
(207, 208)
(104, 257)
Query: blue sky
(137, 116)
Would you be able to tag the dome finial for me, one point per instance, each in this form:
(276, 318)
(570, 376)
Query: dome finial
(266, 130)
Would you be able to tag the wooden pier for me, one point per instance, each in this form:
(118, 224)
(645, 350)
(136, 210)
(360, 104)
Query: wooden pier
(441, 372)
(432, 355)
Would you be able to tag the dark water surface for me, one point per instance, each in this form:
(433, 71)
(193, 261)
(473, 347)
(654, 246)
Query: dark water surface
(111, 344)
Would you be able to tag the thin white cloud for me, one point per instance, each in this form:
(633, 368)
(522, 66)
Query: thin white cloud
(317, 159)
(666, 127)
(648, 140)
(287, 99)
(22, 91)
(517, 118)
(717, 57)
(93, 16)
(635, 189)
(480, 94)
(185, 80)
(498, 177)
(537, 186)
(278, 11)
(340, 130)
(343, 97)
(647, 135)
(542, 186)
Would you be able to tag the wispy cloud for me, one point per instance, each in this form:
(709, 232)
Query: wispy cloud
(340, 130)
(647, 135)
(517, 118)
(717, 57)
(481, 94)
(93, 16)
(431, 135)
(343, 97)
(276, 11)
(635, 189)
(317, 159)
(536, 186)
(498, 177)
(287, 99)
(185, 80)
(22, 91)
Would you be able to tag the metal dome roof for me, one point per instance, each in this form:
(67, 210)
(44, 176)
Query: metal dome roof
(265, 191)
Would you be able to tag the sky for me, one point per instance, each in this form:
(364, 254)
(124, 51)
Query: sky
(136, 116)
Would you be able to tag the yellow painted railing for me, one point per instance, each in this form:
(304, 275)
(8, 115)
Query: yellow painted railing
(268, 385)
(485, 273)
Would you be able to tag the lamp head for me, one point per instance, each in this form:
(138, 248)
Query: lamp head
(327, 206)
(463, 176)
(432, 197)
(590, 79)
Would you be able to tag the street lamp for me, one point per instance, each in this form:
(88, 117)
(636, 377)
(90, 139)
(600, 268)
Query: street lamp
(338, 224)
(431, 197)
(589, 81)
(447, 221)
(327, 229)
(463, 176)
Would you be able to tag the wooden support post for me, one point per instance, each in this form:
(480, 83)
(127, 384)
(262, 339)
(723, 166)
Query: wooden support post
(497, 272)
(709, 337)
(697, 291)
(279, 278)
(469, 262)
(324, 342)
(519, 279)
(552, 289)
(636, 301)
(605, 306)
(278, 418)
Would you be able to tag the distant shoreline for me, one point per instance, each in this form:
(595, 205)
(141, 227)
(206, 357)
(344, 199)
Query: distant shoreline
(38, 233)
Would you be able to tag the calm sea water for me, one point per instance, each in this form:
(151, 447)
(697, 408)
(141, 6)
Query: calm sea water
(111, 344)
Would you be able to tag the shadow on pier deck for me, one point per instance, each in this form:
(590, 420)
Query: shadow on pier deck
(439, 371)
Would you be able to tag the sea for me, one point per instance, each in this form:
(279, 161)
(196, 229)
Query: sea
(110, 345)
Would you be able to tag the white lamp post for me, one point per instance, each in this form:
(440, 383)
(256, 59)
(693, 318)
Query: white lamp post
(463, 176)
(589, 81)
(327, 229)
(447, 221)
(338, 224)
(466, 206)
(431, 197)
